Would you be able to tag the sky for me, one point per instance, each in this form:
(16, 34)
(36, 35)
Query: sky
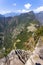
(20, 6)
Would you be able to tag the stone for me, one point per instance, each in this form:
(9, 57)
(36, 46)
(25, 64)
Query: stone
(15, 57)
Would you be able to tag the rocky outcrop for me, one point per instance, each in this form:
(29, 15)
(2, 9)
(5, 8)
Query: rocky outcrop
(22, 57)
(37, 57)
(15, 57)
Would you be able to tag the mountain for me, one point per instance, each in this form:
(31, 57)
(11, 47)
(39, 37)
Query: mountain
(1, 15)
(18, 30)
(39, 16)
(21, 40)
(12, 14)
(21, 20)
(24, 18)
(17, 21)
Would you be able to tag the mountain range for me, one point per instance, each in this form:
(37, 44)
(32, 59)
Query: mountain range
(12, 14)
(19, 32)
(39, 15)
(21, 39)
(15, 20)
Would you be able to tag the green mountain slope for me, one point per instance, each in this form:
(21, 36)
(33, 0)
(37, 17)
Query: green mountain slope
(18, 31)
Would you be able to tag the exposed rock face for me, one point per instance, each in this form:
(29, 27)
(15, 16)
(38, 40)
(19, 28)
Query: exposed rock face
(37, 57)
(15, 57)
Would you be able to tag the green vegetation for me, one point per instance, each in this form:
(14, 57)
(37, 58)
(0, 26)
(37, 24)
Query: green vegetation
(16, 29)
(23, 36)
(39, 32)
(8, 42)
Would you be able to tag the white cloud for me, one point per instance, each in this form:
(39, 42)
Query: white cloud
(15, 11)
(38, 9)
(14, 4)
(4, 11)
(27, 6)
(22, 11)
